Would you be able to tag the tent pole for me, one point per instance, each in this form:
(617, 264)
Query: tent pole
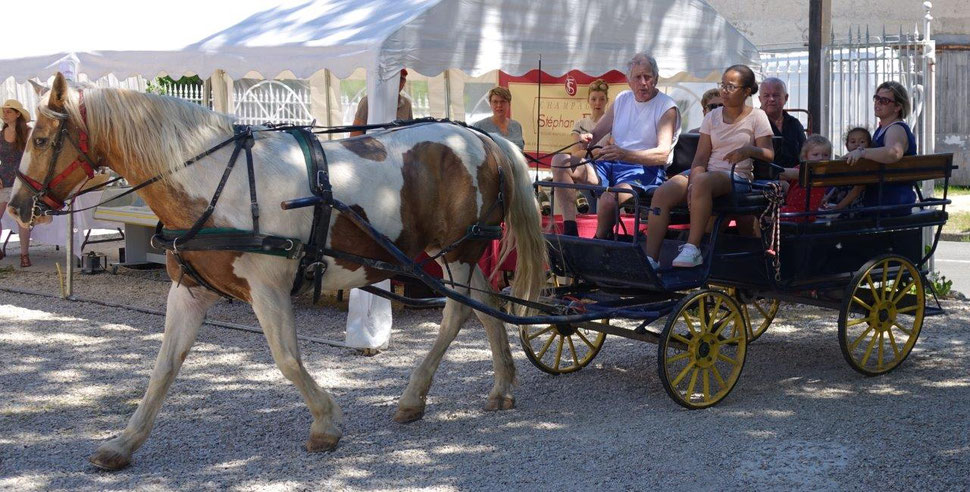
(538, 118)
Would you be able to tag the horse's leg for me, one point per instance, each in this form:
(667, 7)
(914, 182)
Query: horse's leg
(183, 317)
(500, 398)
(412, 403)
(274, 309)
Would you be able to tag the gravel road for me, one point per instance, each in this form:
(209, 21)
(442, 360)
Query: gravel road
(799, 418)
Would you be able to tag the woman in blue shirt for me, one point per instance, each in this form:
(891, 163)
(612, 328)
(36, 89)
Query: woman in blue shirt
(892, 140)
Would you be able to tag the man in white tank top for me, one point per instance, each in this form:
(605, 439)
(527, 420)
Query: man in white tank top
(645, 124)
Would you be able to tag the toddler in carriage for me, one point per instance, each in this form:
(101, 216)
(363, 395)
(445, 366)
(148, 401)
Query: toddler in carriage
(815, 148)
(844, 197)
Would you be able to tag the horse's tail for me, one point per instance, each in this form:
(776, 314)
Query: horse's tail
(523, 229)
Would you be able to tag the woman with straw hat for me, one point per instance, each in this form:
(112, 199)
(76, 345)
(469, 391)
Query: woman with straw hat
(12, 145)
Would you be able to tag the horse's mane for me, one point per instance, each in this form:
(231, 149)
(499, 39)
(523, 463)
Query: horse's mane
(156, 133)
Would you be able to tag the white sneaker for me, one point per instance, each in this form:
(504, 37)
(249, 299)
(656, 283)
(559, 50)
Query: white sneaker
(653, 263)
(689, 256)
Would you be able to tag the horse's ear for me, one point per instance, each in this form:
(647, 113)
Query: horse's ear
(39, 88)
(58, 93)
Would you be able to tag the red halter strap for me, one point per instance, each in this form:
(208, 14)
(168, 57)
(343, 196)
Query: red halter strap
(45, 192)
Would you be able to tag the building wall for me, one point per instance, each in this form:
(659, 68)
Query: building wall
(771, 22)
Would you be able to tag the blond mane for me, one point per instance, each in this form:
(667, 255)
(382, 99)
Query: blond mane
(154, 134)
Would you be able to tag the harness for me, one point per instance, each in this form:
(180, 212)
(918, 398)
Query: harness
(200, 238)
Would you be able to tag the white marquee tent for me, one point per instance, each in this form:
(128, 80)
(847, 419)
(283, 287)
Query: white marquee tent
(298, 38)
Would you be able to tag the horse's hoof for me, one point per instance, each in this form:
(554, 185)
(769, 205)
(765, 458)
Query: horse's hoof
(500, 403)
(109, 459)
(321, 442)
(408, 415)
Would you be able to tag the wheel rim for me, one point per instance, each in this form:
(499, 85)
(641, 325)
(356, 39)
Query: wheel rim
(758, 311)
(882, 315)
(702, 349)
(560, 349)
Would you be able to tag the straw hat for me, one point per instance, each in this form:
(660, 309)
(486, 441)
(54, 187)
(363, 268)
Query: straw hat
(16, 106)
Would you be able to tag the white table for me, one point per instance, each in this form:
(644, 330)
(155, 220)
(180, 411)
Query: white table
(139, 222)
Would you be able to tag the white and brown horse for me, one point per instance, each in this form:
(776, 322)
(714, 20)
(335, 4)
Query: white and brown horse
(422, 186)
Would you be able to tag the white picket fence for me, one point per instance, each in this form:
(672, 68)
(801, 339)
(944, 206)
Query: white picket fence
(190, 92)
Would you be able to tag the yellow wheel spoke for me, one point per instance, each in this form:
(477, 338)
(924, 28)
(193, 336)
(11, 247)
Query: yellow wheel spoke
(683, 372)
(855, 343)
(761, 310)
(680, 339)
(908, 332)
(692, 383)
(705, 327)
(907, 310)
(717, 308)
(559, 353)
(727, 359)
(872, 286)
(540, 332)
(885, 280)
(899, 275)
(546, 346)
(680, 356)
(707, 385)
(585, 340)
(879, 352)
(717, 377)
(858, 321)
(690, 324)
(868, 352)
(903, 292)
(572, 349)
(892, 343)
(723, 325)
(863, 304)
(733, 340)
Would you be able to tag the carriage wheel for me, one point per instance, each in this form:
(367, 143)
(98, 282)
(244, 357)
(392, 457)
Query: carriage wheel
(702, 349)
(560, 349)
(881, 315)
(759, 311)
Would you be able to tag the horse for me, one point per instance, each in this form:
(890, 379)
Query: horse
(422, 186)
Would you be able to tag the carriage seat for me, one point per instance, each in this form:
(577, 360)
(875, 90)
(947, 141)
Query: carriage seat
(911, 169)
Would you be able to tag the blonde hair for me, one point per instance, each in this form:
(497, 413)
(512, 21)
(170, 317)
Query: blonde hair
(500, 92)
(814, 141)
(708, 95)
(599, 85)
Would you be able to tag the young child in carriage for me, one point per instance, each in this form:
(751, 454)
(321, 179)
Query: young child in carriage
(815, 148)
(846, 197)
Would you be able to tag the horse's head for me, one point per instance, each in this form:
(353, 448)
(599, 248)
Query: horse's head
(55, 163)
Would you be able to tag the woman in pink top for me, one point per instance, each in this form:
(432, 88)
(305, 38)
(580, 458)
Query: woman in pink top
(733, 134)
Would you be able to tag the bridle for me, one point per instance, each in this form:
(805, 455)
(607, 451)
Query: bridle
(45, 202)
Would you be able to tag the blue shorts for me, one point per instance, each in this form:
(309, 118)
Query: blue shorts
(741, 184)
(614, 173)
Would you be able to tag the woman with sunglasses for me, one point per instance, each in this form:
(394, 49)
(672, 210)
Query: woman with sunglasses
(731, 136)
(710, 101)
(892, 140)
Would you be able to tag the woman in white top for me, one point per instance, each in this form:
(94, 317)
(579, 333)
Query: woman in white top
(569, 168)
(733, 134)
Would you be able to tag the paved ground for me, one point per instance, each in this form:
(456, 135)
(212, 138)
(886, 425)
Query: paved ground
(953, 261)
(799, 418)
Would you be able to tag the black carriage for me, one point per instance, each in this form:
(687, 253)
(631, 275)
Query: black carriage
(871, 267)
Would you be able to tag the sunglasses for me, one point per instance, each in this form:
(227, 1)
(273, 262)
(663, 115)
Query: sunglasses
(713, 106)
(883, 100)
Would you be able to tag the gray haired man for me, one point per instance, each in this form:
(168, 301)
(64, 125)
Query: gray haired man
(645, 124)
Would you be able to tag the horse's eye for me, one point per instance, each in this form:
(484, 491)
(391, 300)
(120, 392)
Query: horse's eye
(40, 142)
